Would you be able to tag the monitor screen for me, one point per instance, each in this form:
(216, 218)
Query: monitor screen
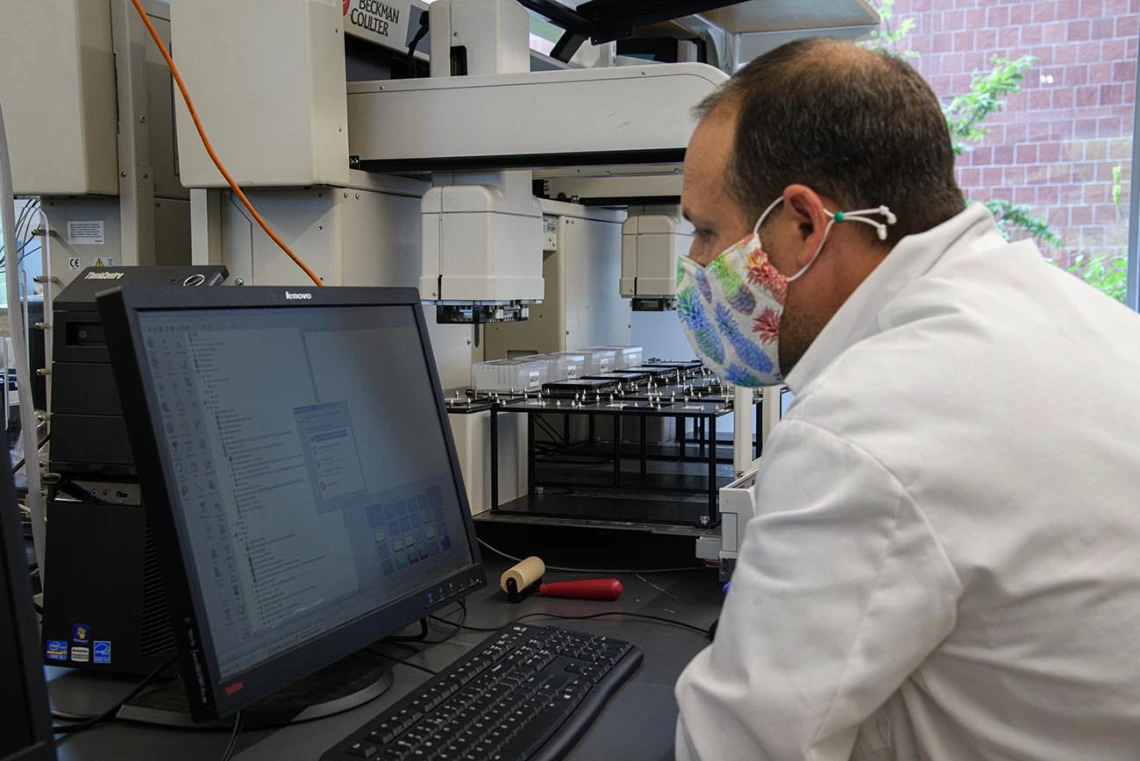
(307, 466)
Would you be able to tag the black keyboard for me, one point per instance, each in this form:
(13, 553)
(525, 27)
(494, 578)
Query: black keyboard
(526, 693)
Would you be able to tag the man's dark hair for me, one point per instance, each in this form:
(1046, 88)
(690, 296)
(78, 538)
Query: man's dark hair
(862, 128)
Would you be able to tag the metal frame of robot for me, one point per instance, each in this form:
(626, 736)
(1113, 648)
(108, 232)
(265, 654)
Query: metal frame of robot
(701, 399)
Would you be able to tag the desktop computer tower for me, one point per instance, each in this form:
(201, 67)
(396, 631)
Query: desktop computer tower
(105, 605)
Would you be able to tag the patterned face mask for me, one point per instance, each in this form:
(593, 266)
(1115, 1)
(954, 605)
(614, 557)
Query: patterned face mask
(731, 309)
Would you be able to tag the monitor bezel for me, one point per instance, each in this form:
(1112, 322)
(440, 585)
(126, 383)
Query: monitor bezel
(23, 617)
(210, 696)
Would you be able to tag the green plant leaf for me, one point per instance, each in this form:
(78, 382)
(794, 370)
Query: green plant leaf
(1107, 273)
(987, 95)
(1013, 217)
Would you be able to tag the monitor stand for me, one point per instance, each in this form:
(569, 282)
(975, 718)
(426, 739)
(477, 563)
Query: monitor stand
(346, 684)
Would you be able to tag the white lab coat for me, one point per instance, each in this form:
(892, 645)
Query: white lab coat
(945, 563)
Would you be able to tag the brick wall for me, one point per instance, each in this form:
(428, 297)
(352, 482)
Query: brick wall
(1055, 144)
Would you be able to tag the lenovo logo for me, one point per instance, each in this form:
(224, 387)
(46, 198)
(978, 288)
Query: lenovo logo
(298, 296)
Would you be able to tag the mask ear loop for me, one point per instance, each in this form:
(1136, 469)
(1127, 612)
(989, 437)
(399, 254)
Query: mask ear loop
(862, 214)
(837, 217)
(755, 230)
(774, 204)
(840, 217)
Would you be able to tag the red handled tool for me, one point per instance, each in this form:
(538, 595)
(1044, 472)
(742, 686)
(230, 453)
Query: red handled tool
(586, 589)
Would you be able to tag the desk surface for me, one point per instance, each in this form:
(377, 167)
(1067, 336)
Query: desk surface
(636, 724)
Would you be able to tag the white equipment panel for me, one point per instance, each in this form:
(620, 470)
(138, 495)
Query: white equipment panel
(348, 236)
(737, 507)
(581, 307)
(472, 435)
(495, 35)
(652, 240)
(554, 116)
(57, 86)
(267, 77)
(482, 243)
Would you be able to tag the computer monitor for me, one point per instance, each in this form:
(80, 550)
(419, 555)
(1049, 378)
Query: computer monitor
(299, 471)
(24, 713)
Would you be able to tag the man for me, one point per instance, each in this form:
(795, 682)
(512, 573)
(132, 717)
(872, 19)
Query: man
(945, 562)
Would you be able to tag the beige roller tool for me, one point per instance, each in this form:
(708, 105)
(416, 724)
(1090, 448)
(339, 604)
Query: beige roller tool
(522, 578)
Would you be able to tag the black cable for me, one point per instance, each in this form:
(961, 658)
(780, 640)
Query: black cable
(458, 626)
(409, 664)
(411, 643)
(421, 637)
(233, 739)
(9, 244)
(64, 716)
(681, 569)
(642, 616)
(24, 459)
(415, 43)
(27, 214)
(110, 712)
(549, 429)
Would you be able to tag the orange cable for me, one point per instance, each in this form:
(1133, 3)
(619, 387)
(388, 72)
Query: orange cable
(210, 148)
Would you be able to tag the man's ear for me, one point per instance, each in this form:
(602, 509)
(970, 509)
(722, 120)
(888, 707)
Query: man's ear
(806, 211)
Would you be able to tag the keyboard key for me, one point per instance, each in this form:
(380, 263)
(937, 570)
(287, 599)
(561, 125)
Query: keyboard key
(417, 733)
(382, 736)
(529, 738)
(363, 750)
(495, 693)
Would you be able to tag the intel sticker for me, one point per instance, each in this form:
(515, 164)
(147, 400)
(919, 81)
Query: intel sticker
(57, 650)
(80, 654)
(101, 652)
